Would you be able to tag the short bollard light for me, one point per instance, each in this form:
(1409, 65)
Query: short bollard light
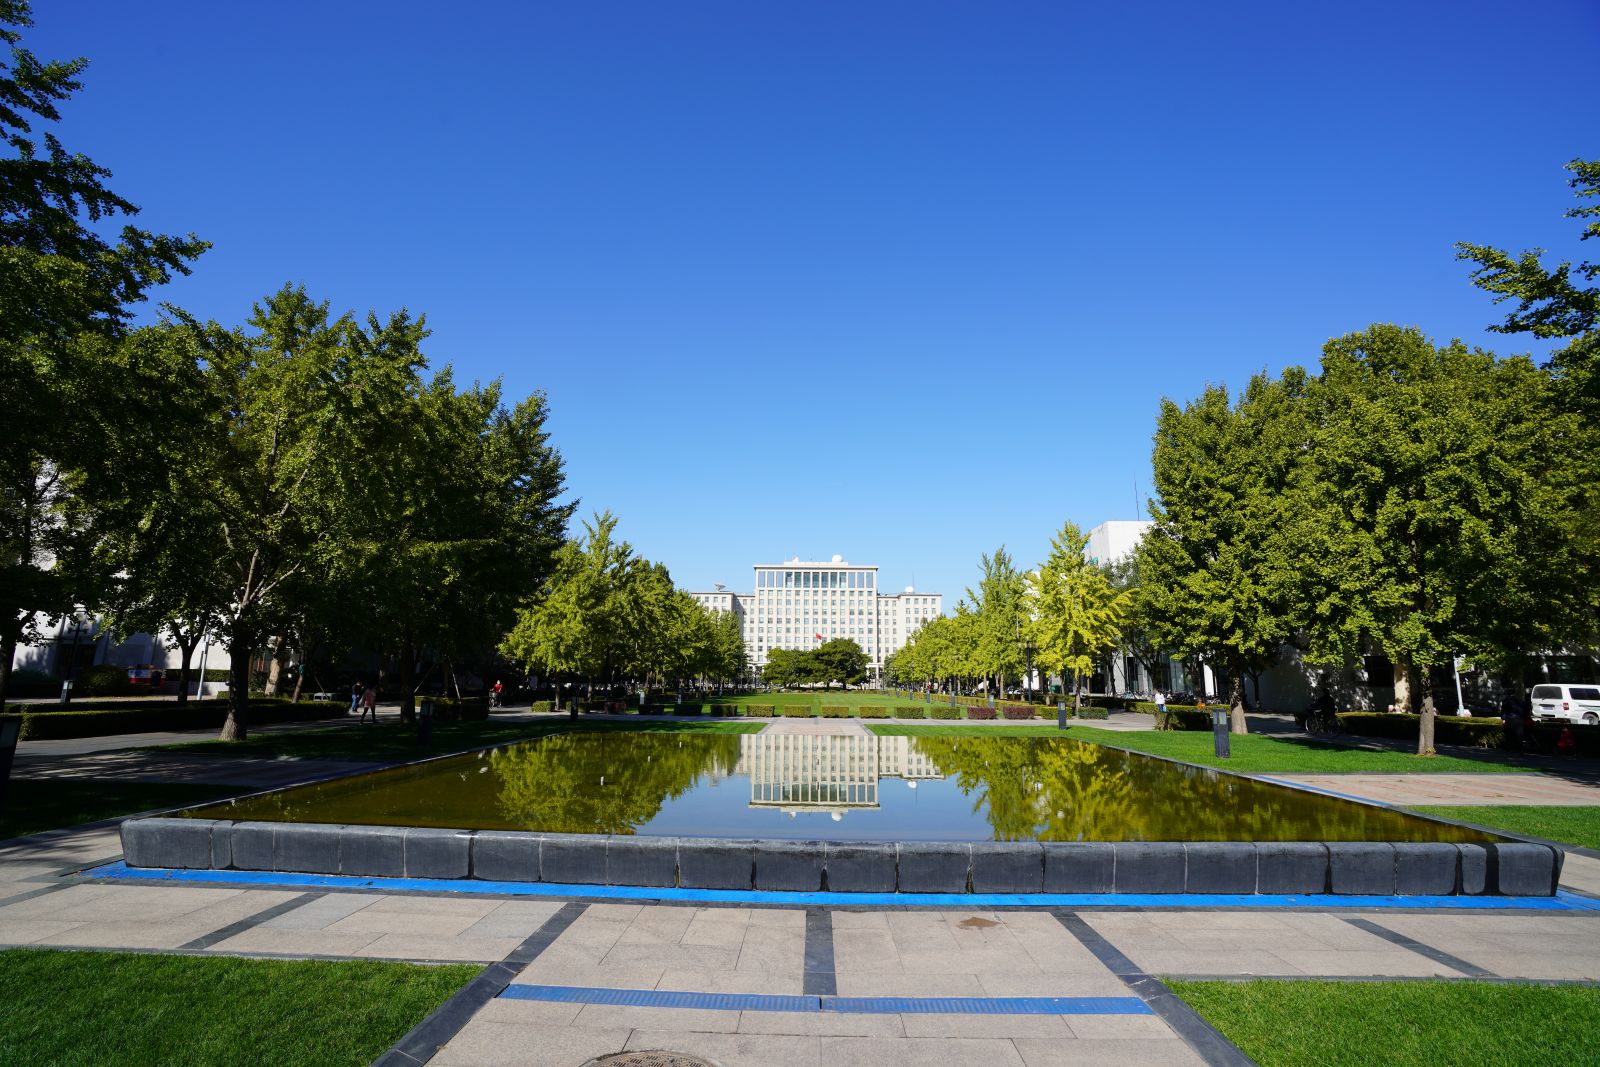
(1219, 732)
(1061, 715)
(66, 691)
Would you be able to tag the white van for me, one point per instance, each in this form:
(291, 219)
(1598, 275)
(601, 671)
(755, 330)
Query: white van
(1567, 703)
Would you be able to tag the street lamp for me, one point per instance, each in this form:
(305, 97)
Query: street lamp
(80, 619)
(1028, 649)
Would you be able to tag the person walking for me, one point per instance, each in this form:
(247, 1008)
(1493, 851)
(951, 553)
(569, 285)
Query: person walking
(369, 705)
(355, 697)
(499, 694)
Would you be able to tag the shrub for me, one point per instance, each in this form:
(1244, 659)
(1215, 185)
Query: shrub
(1014, 712)
(653, 709)
(835, 711)
(1092, 713)
(724, 711)
(543, 705)
(1543, 737)
(1447, 730)
(470, 709)
(982, 713)
(940, 712)
(108, 680)
(1184, 718)
(88, 720)
(29, 684)
(797, 711)
(870, 711)
(758, 711)
(910, 711)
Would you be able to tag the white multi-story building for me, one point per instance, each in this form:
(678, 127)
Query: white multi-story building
(800, 605)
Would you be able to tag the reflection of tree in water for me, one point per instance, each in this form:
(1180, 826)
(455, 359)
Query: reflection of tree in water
(1055, 789)
(556, 784)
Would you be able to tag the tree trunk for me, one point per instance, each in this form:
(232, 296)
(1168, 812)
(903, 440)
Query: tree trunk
(1402, 685)
(186, 652)
(237, 725)
(280, 650)
(8, 652)
(1236, 723)
(1077, 691)
(1425, 733)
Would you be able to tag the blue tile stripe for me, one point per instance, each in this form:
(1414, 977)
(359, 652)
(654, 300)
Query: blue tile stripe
(672, 998)
(1562, 901)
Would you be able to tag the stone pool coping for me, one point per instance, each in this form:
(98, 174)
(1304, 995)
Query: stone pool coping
(1512, 868)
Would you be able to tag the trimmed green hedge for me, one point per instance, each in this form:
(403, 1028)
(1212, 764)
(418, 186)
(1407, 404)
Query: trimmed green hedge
(797, 711)
(835, 711)
(1182, 718)
(1092, 713)
(871, 711)
(167, 715)
(910, 711)
(758, 711)
(1447, 729)
(469, 709)
(937, 712)
(543, 705)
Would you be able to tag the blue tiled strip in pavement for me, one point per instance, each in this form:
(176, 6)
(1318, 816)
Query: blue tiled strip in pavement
(670, 998)
(1563, 901)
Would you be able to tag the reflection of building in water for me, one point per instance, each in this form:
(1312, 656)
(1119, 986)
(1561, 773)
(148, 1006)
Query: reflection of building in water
(808, 772)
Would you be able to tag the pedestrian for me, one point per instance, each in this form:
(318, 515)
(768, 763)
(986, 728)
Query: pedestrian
(499, 694)
(1513, 722)
(1161, 702)
(1567, 743)
(355, 696)
(369, 704)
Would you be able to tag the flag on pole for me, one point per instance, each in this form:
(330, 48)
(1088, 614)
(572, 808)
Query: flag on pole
(817, 636)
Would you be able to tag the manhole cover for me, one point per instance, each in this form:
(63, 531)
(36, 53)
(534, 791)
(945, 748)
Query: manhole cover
(651, 1058)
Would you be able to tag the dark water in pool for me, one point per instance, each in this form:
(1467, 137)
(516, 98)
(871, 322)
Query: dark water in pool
(863, 788)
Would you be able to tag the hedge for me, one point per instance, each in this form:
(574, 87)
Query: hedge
(543, 705)
(1447, 729)
(834, 711)
(469, 709)
(869, 711)
(724, 711)
(944, 713)
(758, 711)
(981, 713)
(1092, 713)
(1183, 718)
(797, 711)
(910, 711)
(167, 715)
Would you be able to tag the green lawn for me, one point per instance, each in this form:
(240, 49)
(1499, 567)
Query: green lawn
(35, 804)
(117, 1008)
(1576, 826)
(1251, 754)
(1402, 1024)
(853, 698)
(392, 741)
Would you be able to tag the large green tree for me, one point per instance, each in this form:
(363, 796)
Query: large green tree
(67, 287)
(1218, 574)
(1437, 529)
(1074, 613)
(997, 603)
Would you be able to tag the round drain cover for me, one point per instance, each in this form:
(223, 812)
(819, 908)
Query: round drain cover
(651, 1058)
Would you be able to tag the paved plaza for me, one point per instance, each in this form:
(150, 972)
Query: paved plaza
(568, 979)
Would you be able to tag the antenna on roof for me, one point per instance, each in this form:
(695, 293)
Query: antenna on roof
(1137, 513)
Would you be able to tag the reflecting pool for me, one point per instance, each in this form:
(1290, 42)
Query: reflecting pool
(855, 788)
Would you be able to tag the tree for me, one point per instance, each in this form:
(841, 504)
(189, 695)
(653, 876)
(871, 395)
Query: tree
(784, 667)
(1218, 575)
(65, 289)
(1550, 303)
(997, 603)
(1436, 529)
(840, 660)
(1074, 613)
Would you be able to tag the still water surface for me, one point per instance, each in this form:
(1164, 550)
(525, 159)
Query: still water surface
(862, 788)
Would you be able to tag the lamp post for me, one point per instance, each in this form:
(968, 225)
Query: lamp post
(1028, 649)
(80, 619)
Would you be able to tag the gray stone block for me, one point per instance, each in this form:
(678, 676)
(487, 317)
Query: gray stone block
(1220, 867)
(707, 863)
(306, 848)
(373, 851)
(433, 853)
(1361, 868)
(1292, 867)
(573, 859)
(1150, 867)
(789, 866)
(1526, 869)
(649, 861)
(1426, 868)
(505, 856)
(934, 867)
(1475, 879)
(1007, 867)
(252, 845)
(221, 845)
(1080, 867)
(860, 868)
(171, 843)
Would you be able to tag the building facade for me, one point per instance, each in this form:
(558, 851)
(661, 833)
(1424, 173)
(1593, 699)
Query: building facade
(802, 604)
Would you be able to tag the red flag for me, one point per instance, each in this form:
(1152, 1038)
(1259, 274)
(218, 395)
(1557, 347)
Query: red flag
(817, 636)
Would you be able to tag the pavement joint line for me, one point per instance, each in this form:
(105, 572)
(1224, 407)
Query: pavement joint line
(1206, 1040)
(1471, 970)
(829, 1004)
(42, 891)
(216, 937)
(1460, 979)
(446, 1021)
(1560, 902)
(420, 961)
(820, 978)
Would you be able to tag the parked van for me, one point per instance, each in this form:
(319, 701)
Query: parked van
(1567, 703)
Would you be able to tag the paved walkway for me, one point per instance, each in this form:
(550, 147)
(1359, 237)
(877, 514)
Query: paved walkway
(1406, 790)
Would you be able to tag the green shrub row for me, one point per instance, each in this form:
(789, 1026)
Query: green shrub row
(910, 711)
(758, 711)
(834, 711)
(195, 715)
(1183, 718)
(1093, 713)
(1447, 729)
(938, 712)
(543, 705)
(797, 711)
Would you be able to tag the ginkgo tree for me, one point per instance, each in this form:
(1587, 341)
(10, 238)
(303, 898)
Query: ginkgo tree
(1074, 613)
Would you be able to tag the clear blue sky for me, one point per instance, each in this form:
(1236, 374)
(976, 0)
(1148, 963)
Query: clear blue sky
(902, 281)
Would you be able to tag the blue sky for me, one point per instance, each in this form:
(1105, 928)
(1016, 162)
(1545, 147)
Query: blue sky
(902, 281)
